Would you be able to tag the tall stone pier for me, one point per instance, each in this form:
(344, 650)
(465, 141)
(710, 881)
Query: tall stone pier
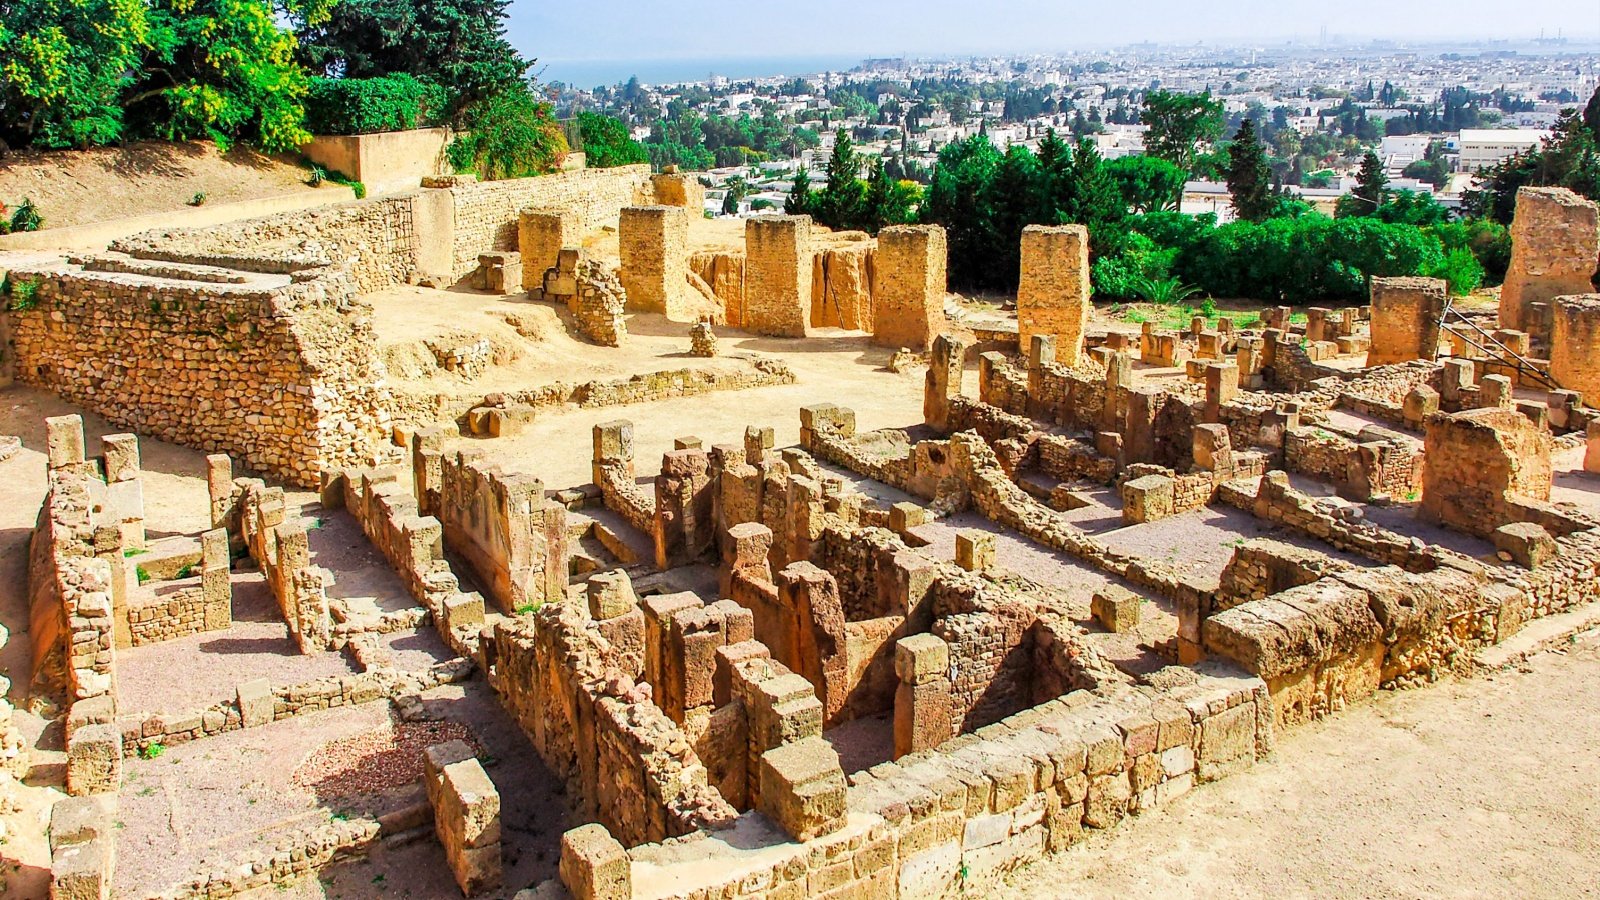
(654, 244)
(1575, 345)
(909, 307)
(1555, 242)
(1053, 297)
(777, 279)
(1406, 318)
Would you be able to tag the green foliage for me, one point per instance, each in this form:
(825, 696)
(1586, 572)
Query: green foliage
(512, 136)
(1412, 208)
(842, 201)
(1370, 192)
(367, 105)
(798, 203)
(142, 573)
(187, 570)
(152, 750)
(199, 199)
(1117, 275)
(22, 294)
(1249, 178)
(1147, 184)
(1460, 269)
(1487, 240)
(1164, 291)
(64, 69)
(1179, 123)
(24, 218)
(606, 142)
(458, 45)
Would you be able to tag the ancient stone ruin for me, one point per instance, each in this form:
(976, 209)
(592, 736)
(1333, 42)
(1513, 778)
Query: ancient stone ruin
(856, 595)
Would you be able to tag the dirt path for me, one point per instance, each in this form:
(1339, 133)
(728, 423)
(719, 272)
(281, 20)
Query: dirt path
(1471, 788)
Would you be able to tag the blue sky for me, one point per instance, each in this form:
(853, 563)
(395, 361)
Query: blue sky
(633, 29)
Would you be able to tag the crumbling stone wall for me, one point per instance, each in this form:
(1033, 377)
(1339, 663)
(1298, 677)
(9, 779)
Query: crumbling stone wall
(287, 380)
(723, 272)
(282, 550)
(1406, 317)
(1482, 467)
(1555, 241)
(627, 765)
(503, 526)
(542, 233)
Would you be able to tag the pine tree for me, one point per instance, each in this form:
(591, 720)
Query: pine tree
(799, 201)
(1372, 186)
(1249, 177)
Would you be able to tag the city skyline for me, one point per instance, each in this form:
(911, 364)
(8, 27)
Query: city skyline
(700, 30)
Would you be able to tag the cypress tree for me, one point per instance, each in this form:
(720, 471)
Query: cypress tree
(1249, 177)
(799, 200)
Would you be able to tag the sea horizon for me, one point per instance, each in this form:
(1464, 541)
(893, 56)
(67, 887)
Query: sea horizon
(591, 73)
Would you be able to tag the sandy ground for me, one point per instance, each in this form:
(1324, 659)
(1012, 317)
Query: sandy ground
(1471, 788)
(80, 186)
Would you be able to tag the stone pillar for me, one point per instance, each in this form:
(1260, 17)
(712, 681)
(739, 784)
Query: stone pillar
(541, 233)
(64, 441)
(922, 706)
(613, 444)
(1555, 240)
(467, 822)
(975, 550)
(654, 244)
(1406, 317)
(219, 487)
(122, 457)
(777, 296)
(94, 760)
(1575, 344)
(908, 310)
(684, 530)
(1053, 297)
(943, 381)
(1222, 385)
(216, 579)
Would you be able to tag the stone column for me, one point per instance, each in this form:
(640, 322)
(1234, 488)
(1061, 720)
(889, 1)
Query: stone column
(1555, 240)
(654, 244)
(1575, 345)
(1053, 297)
(942, 381)
(778, 272)
(908, 310)
(1406, 317)
(541, 233)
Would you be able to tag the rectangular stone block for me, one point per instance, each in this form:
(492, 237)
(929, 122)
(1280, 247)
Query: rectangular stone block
(94, 760)
(908, 307)
(1053, 296)
(255, 702)
(594, 866)
(803, 788)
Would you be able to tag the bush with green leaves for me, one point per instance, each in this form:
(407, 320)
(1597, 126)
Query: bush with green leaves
(606, 142)
(512, 135)
(368, 105)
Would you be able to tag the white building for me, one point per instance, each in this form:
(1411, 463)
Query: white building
(1481, 148)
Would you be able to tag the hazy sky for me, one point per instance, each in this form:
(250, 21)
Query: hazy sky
(624, 29)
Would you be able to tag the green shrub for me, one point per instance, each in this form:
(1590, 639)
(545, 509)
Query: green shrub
(606, 142)
(1460, 269)
(25, 217)
(22, 295)
(512, 136)
(368, 105)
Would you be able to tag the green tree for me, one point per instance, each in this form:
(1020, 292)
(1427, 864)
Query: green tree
(1249, 178)
(1178, 124)
(842, 201)
(606, 142)
(955, 200)
(1147, 183)
(888, 202)
(64, 66)
(1372, 188)
(798, 203)
(1094, 201)
(458, 44)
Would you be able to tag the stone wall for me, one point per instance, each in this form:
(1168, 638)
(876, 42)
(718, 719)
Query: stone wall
(287, 379)
(843, 286)
(654, 246)
(1481, 466)
(376, 241)
(1575, 343)
(956, 820)
(484, 215)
